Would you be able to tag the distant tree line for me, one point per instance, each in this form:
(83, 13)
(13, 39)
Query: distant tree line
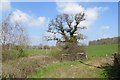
(114, 40)
(40, 46)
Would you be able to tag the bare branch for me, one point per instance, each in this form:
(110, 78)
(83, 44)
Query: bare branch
(63, 25)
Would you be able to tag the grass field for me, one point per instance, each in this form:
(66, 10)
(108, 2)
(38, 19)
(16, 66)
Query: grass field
(43, 63)
(35, 51)
(96, 56)
(92, 51)
(101, 50)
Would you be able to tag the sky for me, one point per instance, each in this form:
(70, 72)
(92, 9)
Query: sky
(101, 20)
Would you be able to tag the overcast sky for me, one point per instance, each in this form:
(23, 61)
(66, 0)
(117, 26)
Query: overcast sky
(101, 20)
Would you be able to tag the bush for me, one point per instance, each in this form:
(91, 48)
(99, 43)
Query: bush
(74, 49)
(116, 59)
(9, 55)
(113, 71)
(13, 53)
(56, 53)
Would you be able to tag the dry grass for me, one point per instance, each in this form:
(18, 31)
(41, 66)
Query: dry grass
(100, 61)
(22, 67)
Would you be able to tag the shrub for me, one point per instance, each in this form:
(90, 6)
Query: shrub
(117, 61)
(74, 49)
(9, 55)
(13, 53)
(56, 53)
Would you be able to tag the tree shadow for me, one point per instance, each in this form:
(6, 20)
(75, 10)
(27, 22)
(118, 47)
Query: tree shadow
(111, 71)
(89, 64)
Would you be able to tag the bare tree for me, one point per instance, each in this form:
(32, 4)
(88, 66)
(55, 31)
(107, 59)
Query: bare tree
(6, 32)
(13, 35)
(68, 27)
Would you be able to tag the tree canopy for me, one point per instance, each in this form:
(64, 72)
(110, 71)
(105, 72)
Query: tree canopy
(68, 27)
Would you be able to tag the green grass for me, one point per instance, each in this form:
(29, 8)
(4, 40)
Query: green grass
(50, 52)
(53, 67)
(92, 51)
(35, 51)
(65, 69)
(101, 50)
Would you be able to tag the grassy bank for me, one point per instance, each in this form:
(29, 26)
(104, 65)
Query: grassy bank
(73, 69)
(76, 69)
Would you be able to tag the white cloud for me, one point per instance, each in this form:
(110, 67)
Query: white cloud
(40, 21)
(70, 8)
(5, 5)
(92, 13)
(91, 16)
(105, 27)
(103, 33)
(19, 16)
(25, 18)
(105, 36)
(73, 8)
(87, 0)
